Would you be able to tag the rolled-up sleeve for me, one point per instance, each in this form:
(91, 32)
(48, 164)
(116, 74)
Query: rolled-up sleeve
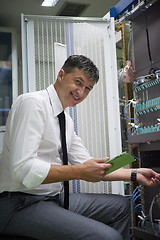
(36, 175)
(27, 126)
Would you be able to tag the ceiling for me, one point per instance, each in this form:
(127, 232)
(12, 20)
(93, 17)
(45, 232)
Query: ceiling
(10, 10)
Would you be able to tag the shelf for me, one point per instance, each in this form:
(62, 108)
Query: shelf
(145, 234)
(142, 138)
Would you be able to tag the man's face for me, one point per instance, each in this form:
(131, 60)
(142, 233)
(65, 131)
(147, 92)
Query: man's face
(73, 87)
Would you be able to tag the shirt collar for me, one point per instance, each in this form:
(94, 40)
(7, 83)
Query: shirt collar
(54, 100)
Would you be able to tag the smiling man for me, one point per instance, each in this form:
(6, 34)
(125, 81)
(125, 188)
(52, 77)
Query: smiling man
(73, 85)
(32, 172)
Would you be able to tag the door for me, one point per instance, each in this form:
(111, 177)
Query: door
(8, 75)
(97, 119)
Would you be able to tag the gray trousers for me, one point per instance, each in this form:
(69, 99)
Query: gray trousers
(90, 216)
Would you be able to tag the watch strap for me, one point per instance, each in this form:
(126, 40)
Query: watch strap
(134, 175)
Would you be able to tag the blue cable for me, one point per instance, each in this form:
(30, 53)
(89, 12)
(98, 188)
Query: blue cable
(129, 130)
(135, 156)
(135, 197)
(124, 111)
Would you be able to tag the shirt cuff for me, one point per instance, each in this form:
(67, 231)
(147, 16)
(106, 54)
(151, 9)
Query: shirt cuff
(36, 175)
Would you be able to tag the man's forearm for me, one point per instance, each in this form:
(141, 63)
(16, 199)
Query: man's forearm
(122, 174)
(60, 173)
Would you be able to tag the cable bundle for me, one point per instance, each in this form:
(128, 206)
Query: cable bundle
(136, 200)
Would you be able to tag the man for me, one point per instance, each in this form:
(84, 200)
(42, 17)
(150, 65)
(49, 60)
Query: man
(31, 171)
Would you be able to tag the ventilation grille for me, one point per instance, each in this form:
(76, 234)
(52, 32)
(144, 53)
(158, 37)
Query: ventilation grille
(72, 9)
(92, 113)
(46, 33)
(90, 117)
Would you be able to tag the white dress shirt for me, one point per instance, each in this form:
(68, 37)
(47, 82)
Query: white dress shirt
(32, 144)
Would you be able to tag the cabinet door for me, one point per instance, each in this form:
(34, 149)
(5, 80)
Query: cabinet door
(8, 75)
(43, 39)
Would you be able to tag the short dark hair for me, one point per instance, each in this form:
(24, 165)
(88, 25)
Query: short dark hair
(82, 63)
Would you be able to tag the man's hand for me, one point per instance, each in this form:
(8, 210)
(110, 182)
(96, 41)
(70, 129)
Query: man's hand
(148, 177)
(94, 170)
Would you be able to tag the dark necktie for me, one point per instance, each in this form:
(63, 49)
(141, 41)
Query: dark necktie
(62, 124)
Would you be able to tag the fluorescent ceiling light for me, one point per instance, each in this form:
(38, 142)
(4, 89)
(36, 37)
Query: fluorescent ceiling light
(49, 3)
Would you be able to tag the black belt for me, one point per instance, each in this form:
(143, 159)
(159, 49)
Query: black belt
(10, 194)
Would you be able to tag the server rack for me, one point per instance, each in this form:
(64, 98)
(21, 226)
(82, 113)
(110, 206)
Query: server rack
(147, 136)
(144, 129)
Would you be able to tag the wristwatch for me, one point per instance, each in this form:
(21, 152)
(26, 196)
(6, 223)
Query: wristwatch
(134, 175)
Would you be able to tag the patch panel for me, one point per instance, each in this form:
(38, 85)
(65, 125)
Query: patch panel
(146, 85)
(147, 106)
(148, 129)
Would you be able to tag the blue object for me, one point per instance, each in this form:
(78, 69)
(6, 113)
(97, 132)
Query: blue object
(121, 7)
(5, 109)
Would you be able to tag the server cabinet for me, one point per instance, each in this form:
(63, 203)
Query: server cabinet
(43, 37)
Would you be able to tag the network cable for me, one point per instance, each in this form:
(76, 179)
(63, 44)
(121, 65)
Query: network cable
(136, 200)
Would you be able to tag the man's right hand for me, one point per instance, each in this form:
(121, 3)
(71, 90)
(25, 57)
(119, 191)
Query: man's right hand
(93, 170)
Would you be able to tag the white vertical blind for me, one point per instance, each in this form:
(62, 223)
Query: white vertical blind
(92, 113)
